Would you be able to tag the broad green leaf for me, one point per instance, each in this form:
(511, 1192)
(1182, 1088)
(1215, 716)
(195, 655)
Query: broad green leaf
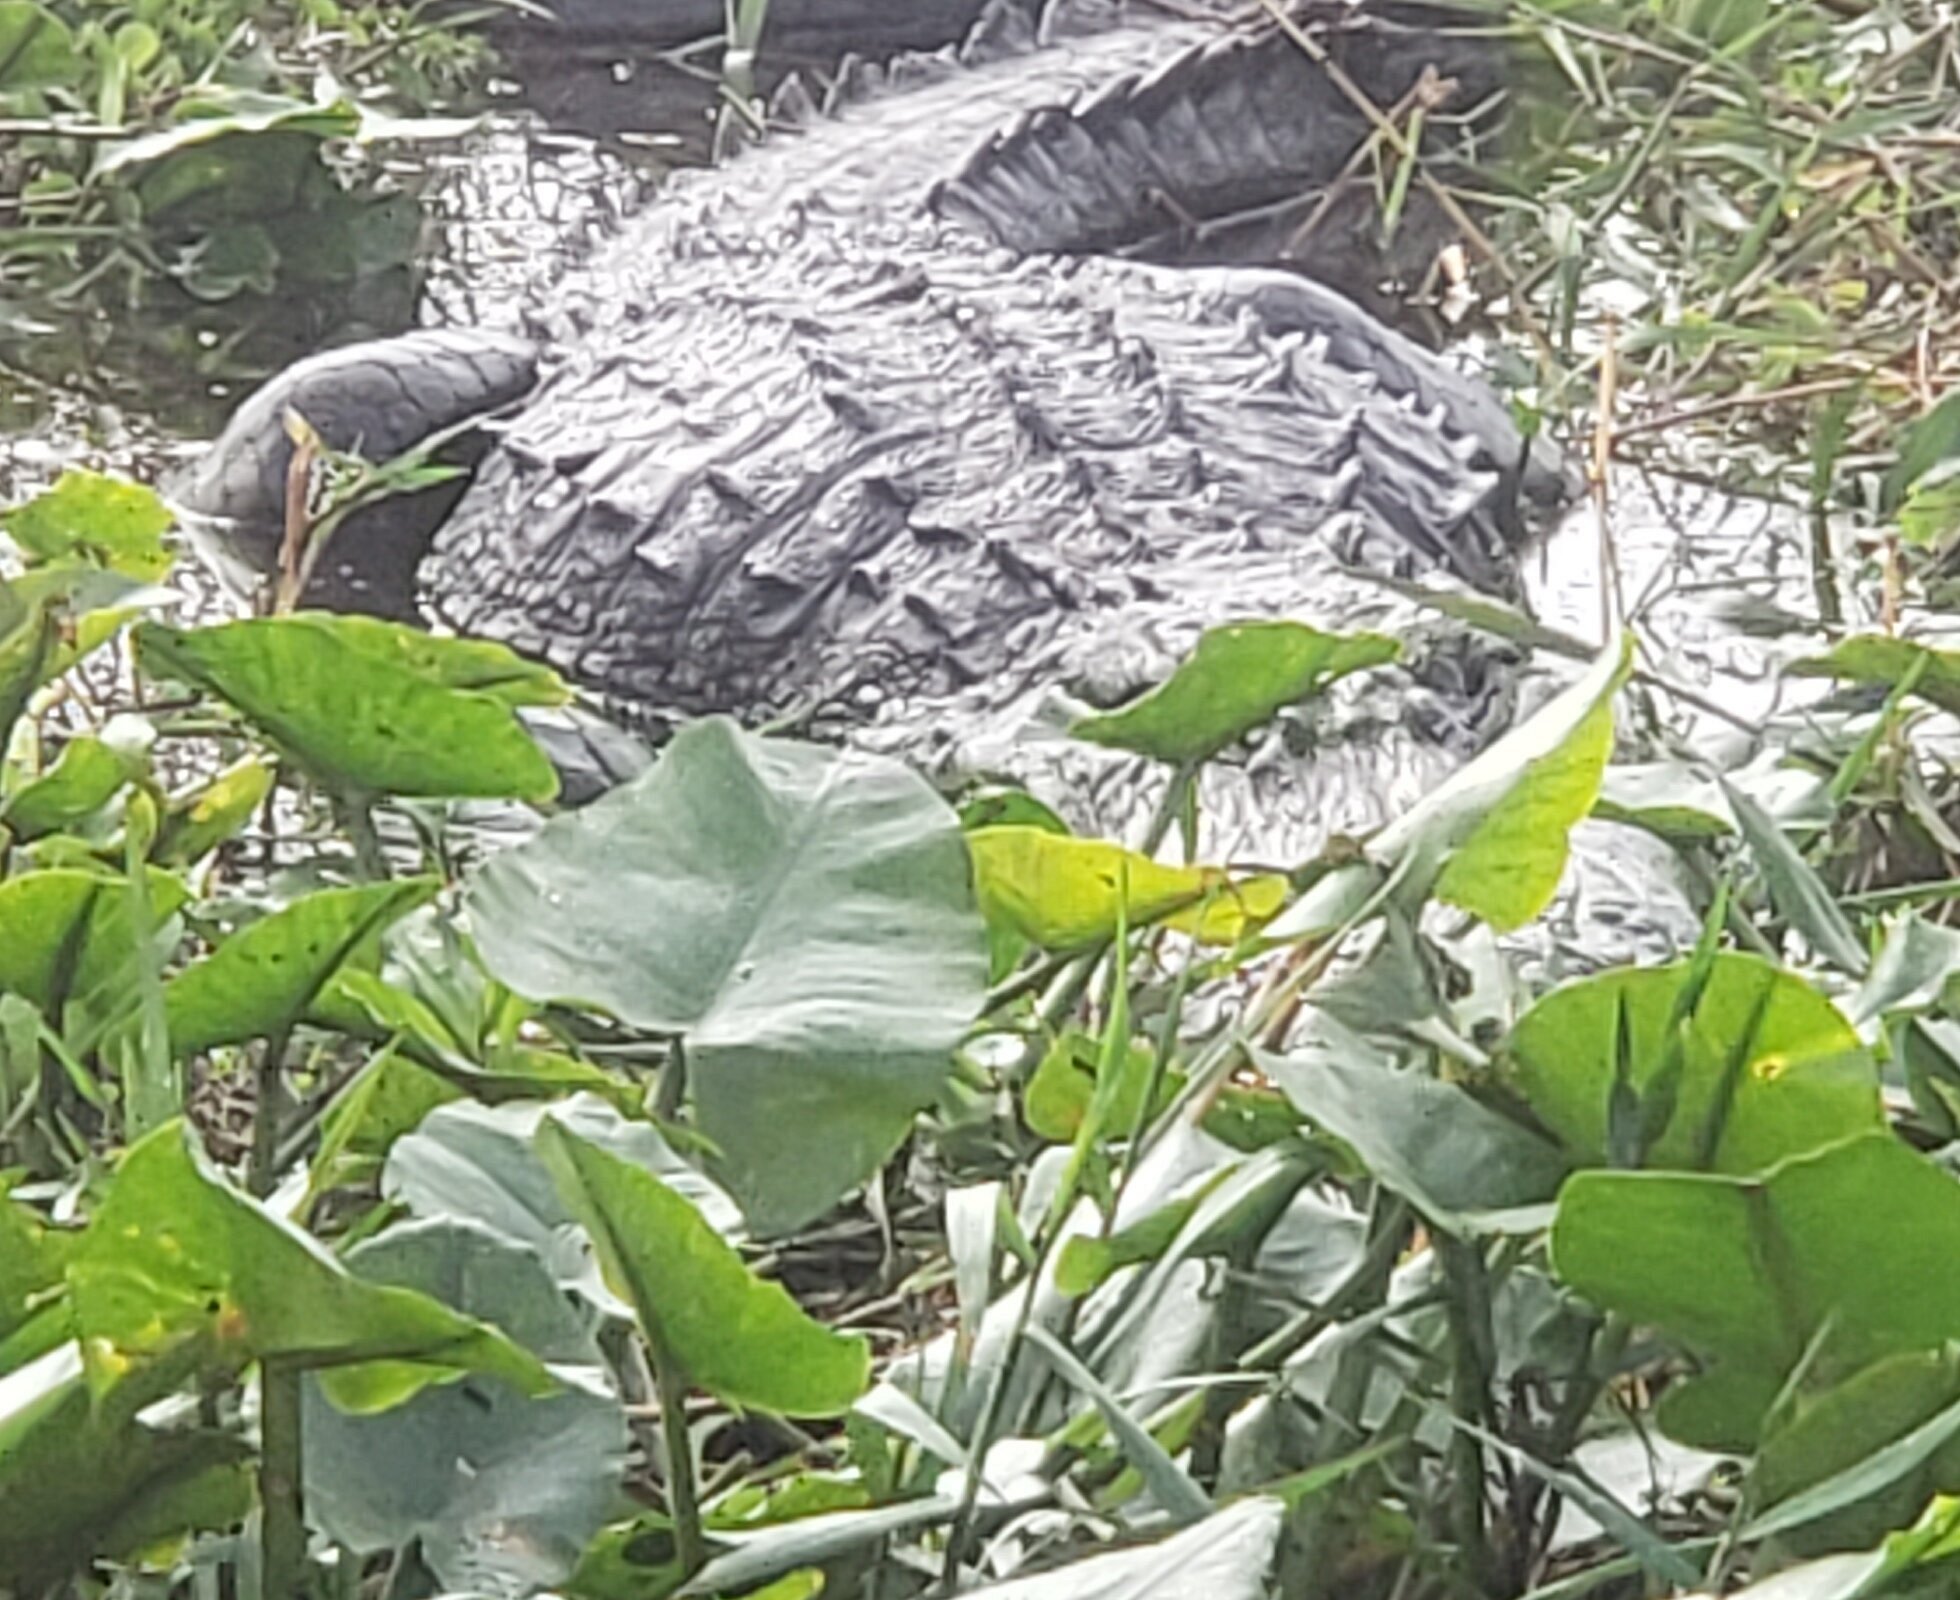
(197, 824)
(1837, 1258)
(1497, 833)
(479, 664)
(1456, 1160)
(741, 1339)
(481, 1164)
(497, 1489)
(28, 648)
(65, 933)
(1861, 1459)
(37, 51)
(1239, 676)
(175, 1256)
(1769, 1068)
(261, 981)
(1508, 867)
(215, 111)
(81, 1477)
(355, 717)
(31, 1260)
(801, 916)
(1930, 516)
(1495, 837)
(1064, 893)
(83, 779)
(1883, 660)
(1930, 443)
(104, 521)
(1059, 1094)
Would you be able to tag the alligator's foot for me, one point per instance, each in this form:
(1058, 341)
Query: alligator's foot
(377, 400)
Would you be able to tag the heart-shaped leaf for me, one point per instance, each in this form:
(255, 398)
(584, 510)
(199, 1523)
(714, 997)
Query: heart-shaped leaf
(801, 916)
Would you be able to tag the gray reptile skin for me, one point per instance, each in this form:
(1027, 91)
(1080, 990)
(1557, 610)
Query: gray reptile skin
(866, 430)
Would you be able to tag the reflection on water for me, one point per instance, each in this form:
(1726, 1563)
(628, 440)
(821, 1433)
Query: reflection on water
(1717, 587)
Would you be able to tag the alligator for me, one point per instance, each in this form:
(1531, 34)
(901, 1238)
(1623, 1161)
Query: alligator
(900, 427)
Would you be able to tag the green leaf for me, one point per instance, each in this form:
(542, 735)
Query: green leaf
(31, 1261)
(801, 916)
(261, 981)
(105, 521)
(377, 721)
(1769, 1066)
(82, 1477)
(481, 1164)
(214, 111)
(1667, 800)
(84, 778)
(741, 1339)
(1861, 1459)
(1930, 517)
(1836, 1259)
(198, 823)
(498, 1490)
(65, 933)
(1058, 1096)
(1931, 442)
(1065, 893)
(37, 51)
(1508, 867)
(176, 1257)
(1883, 660)
(28, 651)
(1456, 1160)
(1495, 837)
(1795, 887)
(478, 664)
(1239, 676)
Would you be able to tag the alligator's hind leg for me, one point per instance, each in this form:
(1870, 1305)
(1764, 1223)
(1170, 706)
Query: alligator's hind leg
(377, 399)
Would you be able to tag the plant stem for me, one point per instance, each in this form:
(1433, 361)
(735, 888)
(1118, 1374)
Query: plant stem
(1468, 1306)
(358, 812)
(682, 1502)
(262, 1172)
(670, 1090)
(282, 1527)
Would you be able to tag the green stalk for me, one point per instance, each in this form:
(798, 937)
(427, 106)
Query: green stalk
(1471, 1372)
(282, 1525)
(683, 1503)
(357, 811)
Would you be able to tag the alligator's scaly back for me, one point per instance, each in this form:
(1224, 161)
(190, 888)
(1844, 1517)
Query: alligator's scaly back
(842, 432)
